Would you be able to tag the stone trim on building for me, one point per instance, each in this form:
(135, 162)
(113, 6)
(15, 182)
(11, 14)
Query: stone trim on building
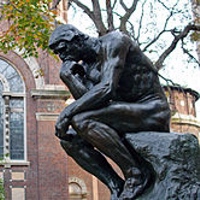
(49, 93)
(179, 118)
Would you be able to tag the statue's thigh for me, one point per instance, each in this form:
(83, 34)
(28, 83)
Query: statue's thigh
(123, 117)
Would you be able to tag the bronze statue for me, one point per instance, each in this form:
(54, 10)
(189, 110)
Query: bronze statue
(117, 91)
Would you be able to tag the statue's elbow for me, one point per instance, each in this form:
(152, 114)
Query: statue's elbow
(65, 75)
(109, 89)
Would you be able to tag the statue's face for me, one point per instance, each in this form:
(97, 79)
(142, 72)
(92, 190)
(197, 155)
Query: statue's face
(67, 50)
(62, 49)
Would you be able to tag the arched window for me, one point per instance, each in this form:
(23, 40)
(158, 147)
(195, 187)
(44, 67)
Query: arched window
(77, 189)
(12, 92)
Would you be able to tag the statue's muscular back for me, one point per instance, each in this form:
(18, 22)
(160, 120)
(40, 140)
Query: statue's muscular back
(138, 81)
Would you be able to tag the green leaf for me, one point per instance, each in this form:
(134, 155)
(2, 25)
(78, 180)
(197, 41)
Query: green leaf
(30, 23)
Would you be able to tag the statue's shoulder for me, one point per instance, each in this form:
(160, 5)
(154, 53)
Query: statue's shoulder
(114, 36)
(116, 39)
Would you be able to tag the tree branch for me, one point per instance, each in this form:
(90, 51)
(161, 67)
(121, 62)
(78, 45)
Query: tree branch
(15, 7)
(114, 3)
(154, 40)
(55, 4)
(109, 15)
(177, 38)
(186, 51)
(79, 4)
(84, 8)
(140, 22)
(129, 12)
(98, 18)
(123, 5)
(158, 36)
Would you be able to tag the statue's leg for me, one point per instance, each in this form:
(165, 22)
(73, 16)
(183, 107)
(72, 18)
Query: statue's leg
(94, 162)
(104, 129)
(108, 142)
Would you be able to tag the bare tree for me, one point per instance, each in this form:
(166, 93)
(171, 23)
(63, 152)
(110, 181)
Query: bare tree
(126, 12)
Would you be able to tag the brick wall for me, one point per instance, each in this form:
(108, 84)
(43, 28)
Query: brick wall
(182, 104)
(43, 176)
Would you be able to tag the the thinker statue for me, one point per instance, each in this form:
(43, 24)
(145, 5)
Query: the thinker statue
(116, 91)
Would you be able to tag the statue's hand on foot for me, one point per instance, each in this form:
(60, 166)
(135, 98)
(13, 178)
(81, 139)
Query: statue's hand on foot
(134, 185)
(116, 190)
(114, 196)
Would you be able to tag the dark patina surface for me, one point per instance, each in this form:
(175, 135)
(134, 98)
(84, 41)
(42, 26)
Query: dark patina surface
(117, 92)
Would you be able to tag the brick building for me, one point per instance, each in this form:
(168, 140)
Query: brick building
(182, 104)
(34, 167)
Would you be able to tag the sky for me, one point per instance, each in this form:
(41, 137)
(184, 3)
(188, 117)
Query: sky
(177, 68)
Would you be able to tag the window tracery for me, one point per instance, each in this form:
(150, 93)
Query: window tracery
(12, 92)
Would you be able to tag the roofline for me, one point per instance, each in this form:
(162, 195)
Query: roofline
(180, 88)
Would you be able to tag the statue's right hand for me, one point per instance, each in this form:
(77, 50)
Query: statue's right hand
(66, 69)
(71, 68)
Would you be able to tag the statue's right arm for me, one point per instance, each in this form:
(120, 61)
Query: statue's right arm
(75, 86)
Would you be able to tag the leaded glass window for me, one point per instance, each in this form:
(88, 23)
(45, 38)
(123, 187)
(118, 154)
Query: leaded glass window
(11, 112)
(1, 121)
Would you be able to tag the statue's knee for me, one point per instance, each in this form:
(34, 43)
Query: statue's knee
(67, 146)
(75, 148)
(76, 120)
(79, 122)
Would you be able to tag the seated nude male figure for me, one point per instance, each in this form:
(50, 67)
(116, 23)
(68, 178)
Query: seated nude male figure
(116, 91)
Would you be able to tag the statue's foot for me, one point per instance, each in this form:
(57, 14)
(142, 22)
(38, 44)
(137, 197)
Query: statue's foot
(114, 196)
(131, 190)
(134, 186)
(116, 191)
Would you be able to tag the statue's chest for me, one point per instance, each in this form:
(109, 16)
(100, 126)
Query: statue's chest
(93, 76)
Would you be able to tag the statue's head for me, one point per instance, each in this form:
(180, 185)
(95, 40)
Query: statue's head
(65, 32)
(66, 41)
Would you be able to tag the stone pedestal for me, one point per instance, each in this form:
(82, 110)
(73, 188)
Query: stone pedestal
(175, 164)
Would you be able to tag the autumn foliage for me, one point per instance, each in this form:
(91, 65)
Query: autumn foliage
(30, 19)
